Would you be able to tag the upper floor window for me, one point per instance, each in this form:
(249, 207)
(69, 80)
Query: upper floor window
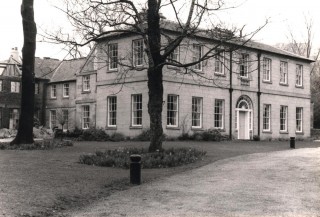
(85, 117)
(53, 91)
(244, 65)
(172, 110)
(299, 75)
(283, 72)
(283, 118)
(65, 90)
(86, 83)
(174, 56)
(138, 52)
(197, 55)
(136, 109)
(113, 56)
(219, 63)
(112, 111)
(15, 86)
(196, 112)
(299, 118)
(218, 113)
(1, 87)
(266, 117)
(266, 69)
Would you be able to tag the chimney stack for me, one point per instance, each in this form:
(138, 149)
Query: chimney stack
(15, 54)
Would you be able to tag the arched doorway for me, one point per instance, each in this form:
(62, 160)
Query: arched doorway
(244, 117)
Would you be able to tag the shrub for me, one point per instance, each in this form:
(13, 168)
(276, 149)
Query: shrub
(37, 145)
(117, 137)
(143, 136)
(256, 138)
(160, 159)
(184, 136)
(94, 134)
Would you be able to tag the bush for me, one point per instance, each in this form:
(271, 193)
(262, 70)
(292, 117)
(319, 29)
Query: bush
(184, 136)
(143, 136)
(256, 138)
(207, 135)
(94, 134)
(117, 137)
(160, 159)
(37, 145)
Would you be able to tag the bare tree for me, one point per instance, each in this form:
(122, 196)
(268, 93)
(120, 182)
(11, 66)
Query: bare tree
(25, 129)
(95, 20)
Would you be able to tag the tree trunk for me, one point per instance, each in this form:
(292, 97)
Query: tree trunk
(25, 130)
(155, 108)
(155, 85)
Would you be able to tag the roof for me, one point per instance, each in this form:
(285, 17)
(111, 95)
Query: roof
(67, 70)
(44, 68)
(227, 34)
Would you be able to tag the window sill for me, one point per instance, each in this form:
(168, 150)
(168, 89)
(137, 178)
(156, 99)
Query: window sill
(301, 87)
(86, 91)
(111, 128)
(112, 70)
(197, 129)
(135, 127)
(267, 132)
(300, 133)
(284, 132)
(219, 74)
(65, 97)
(173, 128)
(283, 84)
(267, 82)
(53, 98)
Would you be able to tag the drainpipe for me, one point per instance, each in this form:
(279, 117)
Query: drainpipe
(259, 91)
(230, 99)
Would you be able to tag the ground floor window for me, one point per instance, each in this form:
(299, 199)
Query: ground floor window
(136, 109)
(196, 112)
(299, 118)
(112, 111)
(283, 118)
(266, 117)
(218, 113)
(0, 117)
(172, 110)
(53, 119)
(65, 119)
(85, 117)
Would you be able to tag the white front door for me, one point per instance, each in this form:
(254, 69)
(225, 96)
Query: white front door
(243, 131)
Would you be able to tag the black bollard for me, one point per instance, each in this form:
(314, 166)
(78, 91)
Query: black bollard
(135, 169)
(292, 142)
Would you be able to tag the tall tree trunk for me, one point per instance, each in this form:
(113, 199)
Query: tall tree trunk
(155, 85)
(25, 130)
(155, 108)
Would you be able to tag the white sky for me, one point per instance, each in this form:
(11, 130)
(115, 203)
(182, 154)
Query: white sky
(283, 14)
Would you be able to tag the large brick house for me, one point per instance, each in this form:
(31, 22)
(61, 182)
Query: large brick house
(254, 90)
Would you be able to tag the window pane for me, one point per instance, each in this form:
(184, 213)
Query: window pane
(112, 111)
(137, 110)
(196, 112)
(172, 110)
(218, 113)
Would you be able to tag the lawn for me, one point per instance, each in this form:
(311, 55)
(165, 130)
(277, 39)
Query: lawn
(45, 183)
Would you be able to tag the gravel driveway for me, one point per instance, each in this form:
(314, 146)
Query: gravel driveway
(283, 183)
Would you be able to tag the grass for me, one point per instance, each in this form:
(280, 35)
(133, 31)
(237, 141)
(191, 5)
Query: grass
(50, 182)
